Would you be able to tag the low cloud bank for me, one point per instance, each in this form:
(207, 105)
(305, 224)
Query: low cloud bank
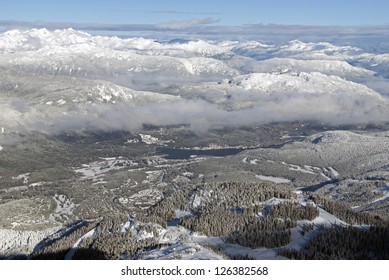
(201, 115)
(190, 23)
(208, 26)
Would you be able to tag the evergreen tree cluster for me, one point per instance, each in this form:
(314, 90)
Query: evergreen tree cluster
(241, 194)
(111, 242)
(343, 212)
(347, 243)
(255, 239)
(228, 195)
(243, 257)
(236, 211)
(164, 210)
(249, 214)
(293, 209)
(60, 247)
(117, 245)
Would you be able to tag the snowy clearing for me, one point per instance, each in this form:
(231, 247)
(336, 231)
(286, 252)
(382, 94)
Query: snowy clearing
(277, 180)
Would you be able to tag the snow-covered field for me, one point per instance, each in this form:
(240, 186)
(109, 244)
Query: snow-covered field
(277, 180)
(64, 209)
(94, 169)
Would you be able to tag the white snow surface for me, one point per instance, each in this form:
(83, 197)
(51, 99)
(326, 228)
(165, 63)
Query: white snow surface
(333, 171)
(59, 50)
(187, 251)
(105, 165)
(305, 169)
(277, 180)
(64, 209)
(302, 83)
(18, 241)
(385, 192)
(291, 65)
(148, 139)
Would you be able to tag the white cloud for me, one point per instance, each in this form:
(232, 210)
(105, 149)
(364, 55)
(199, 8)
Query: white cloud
(250, 31)
(202, 115)
(185, 24)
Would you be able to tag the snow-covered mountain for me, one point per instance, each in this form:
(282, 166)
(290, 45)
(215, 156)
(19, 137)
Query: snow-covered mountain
(302, 83)
(48, 90)
(296, 49)
(375, 62)
(30, 99)
(328, 67)
(75, 53)
(275, 86)
(46, 75)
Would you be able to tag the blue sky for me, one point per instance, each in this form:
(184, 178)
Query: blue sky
(222, 12)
